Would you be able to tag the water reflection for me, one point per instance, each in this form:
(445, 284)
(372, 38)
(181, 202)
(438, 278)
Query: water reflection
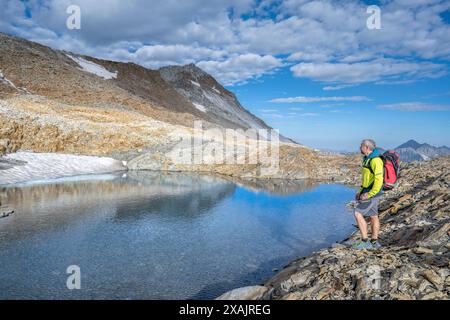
(160, 235)
(275, 186)
(182, 194)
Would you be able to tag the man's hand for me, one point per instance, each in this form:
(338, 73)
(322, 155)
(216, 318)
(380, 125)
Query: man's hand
(364, 196)
(357, 196)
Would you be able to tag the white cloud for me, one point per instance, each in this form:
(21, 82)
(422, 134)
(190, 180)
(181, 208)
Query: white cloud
(338, 87)
(158, 21)
(160, 55)
(415, 106)
(318, 99)
(390, 82)
(309, 56)
(240, 68)
(367, 71)
(327, 40)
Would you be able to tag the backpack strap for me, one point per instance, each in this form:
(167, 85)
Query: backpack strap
(367, 163)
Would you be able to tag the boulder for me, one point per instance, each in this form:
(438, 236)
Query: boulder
(245, 293)
(5, 146)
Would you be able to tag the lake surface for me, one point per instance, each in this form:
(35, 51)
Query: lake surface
(149, 235)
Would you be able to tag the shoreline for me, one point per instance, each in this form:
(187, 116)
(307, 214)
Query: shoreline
(28, 166)
(414, 262)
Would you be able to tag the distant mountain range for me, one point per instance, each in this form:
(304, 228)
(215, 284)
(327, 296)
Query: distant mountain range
(414, 151)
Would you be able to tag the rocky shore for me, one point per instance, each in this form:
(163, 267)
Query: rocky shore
(414, 262)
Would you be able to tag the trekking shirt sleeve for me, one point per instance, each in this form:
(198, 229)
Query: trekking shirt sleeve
(377, 167)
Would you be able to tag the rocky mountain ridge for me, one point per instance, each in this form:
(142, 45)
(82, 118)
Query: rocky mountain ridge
(60, 102)
(414, 151)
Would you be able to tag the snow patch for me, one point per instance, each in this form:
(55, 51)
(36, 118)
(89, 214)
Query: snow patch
(200, 107)
(8, 82)
(214, 88)
(93, 68)
(44, 166)
(195, 83)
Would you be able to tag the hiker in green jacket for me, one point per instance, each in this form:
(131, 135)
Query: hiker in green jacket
(368, 194)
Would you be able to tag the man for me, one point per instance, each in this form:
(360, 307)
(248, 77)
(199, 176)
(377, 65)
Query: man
(368, 195)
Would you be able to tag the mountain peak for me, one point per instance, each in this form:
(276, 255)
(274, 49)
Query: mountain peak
(414, 151)
(410, 144)
(178, 95)
(190, 68)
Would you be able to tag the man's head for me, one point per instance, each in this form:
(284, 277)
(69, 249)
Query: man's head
(367, 146)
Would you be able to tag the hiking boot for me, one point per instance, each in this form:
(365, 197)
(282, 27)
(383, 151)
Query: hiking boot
(361, 245)
(375, 244)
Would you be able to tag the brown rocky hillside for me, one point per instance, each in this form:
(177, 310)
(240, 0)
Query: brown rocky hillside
(55, 101)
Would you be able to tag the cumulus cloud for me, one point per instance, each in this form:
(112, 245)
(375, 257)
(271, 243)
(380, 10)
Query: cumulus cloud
(309, 56)
(319, 99)
(367, 71)
(323, 40)
(156, 21)
(241, 67)
(415, 106)
(160, 55)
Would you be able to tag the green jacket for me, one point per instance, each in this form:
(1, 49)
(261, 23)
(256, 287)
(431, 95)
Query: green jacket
(372, 180)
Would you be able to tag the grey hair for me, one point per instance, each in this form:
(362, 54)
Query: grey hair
(369, 143)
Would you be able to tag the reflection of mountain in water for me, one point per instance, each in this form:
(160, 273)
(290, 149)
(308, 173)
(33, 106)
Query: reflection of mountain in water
(181, 194)
(126, 197)
(154, 235)
(113, 196)
(276, 186)
(142, 185)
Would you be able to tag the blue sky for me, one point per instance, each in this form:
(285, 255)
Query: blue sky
(312, 69)
(341, 125)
